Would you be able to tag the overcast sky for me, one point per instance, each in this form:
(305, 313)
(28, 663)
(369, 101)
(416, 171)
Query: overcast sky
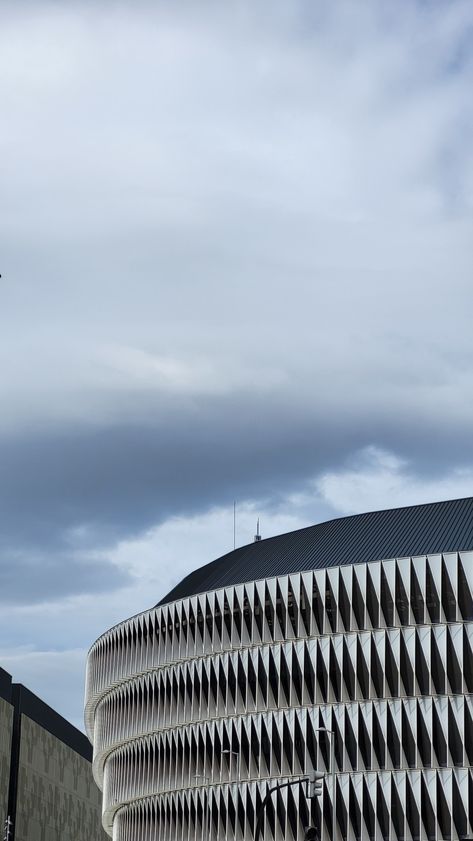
(236, 253)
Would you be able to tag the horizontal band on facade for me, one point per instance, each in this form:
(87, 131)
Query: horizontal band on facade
(376, 595)
(395, 804)
(409, 734)
(393, 663)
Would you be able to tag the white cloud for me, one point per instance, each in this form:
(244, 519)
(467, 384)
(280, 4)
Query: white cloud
(128, 367)
(165, 554)
(378, 479)
(57, 677)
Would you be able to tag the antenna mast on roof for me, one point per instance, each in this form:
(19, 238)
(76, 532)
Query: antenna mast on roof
(257, 535)
(234, 523)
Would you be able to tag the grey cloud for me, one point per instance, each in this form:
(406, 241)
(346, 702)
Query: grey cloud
(122, 478)
(70, 494)
(44, 575)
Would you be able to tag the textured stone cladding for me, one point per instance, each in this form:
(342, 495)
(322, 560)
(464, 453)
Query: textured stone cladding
(6, 719)
(57, 797)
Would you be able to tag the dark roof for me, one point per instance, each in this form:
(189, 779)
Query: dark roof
(33, 707)
(5, 685)
(395, 533)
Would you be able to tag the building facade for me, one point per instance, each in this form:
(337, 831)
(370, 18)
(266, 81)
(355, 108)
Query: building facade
(6, 728)
(47, 792)
(346, 648)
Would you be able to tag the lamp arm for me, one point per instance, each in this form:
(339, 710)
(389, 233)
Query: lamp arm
(266, 798)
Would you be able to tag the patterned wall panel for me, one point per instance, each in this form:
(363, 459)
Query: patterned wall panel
(6, 720)
(57, 797)
(195, 708)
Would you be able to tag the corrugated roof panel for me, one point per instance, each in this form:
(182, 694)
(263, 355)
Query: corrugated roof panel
(399, 532)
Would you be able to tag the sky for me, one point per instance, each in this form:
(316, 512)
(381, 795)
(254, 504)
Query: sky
(236, 258)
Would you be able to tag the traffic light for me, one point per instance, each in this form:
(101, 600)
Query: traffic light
(8, 825)
(316, 783)
(310, 834)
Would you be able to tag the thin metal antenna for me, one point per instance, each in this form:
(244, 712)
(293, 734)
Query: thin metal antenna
(234, 523)
(257, 535)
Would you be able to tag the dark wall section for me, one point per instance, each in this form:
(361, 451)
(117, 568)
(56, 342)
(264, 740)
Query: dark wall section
(6, 722)
(46, 783)
(5, 685)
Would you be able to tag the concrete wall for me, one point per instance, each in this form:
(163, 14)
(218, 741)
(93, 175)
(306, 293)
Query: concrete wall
(6, 720)
(57, 796)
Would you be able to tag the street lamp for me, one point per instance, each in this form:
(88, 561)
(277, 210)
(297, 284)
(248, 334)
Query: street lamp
(238, 762)
(331, 734)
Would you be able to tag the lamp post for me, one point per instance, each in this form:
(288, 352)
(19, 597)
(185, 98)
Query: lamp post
(238, 762)
(331, 734)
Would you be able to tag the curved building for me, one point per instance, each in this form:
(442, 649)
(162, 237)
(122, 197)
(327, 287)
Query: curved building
(352, 639)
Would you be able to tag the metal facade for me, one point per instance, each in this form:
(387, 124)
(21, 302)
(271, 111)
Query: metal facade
(195, 708)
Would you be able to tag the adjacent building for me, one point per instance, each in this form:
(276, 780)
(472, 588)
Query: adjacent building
(47, 792)
(346, 647)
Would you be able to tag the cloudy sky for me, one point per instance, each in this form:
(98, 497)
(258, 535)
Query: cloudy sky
(236, 257)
